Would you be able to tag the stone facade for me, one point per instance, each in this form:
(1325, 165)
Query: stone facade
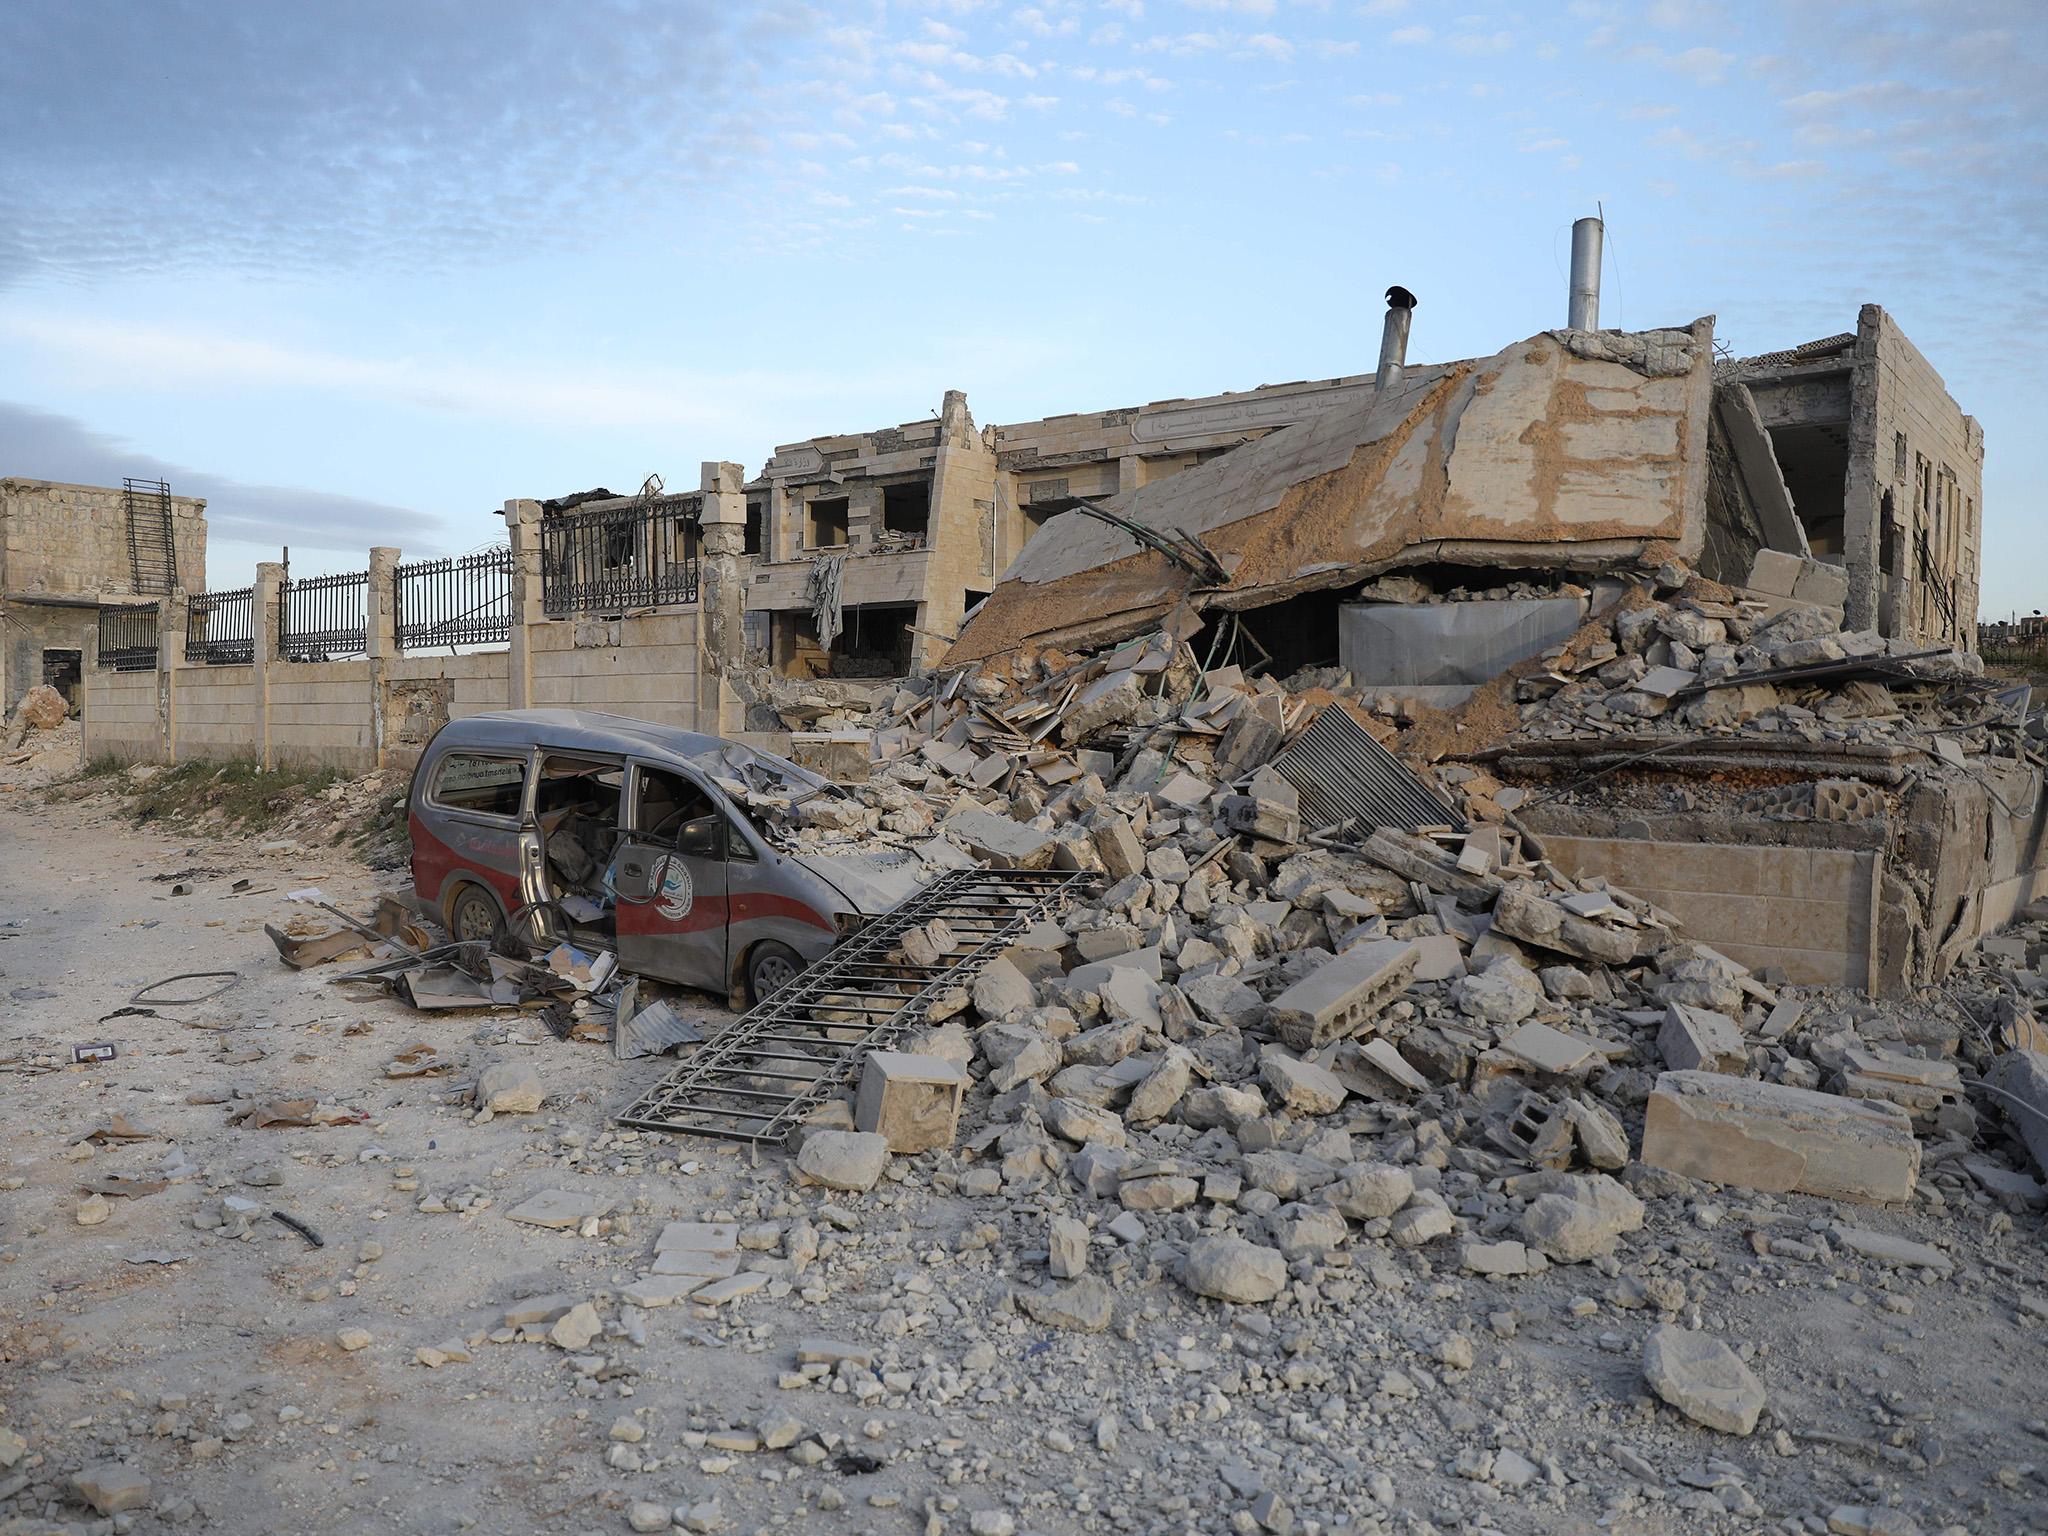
(1886, 475)
(929, 513)
(65, 549)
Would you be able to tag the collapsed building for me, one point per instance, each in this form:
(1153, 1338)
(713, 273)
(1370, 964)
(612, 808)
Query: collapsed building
(1710, 622)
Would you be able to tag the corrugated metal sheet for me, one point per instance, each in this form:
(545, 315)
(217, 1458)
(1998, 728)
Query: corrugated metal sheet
(1341, 771)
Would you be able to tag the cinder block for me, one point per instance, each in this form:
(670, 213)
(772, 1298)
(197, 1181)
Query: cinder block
(912, 1100)
(1765, 1136)
(1338, 998)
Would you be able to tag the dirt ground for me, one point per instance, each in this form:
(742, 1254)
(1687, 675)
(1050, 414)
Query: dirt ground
(1387, 1390)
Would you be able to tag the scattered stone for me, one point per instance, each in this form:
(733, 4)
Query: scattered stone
(1703, 1379)
(111, 1487)
(1232, 1269)
(510, 1088)
(853, 1161)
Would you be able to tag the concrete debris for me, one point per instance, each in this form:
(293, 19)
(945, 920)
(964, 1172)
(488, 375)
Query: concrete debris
(853, 1161)
(1769, 1137)
(1703, 1379)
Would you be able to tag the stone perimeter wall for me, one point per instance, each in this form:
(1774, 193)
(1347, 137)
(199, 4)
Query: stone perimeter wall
(380, 710)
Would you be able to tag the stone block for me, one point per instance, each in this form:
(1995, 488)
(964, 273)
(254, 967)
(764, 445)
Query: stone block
(1117, 845)
(1774, 572)
(1000, 842)
(1339, 998)
(913, 1101)
(1780, 1140)
(1700, 1040)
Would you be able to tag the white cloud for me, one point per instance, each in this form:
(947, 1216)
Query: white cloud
(1411, 37)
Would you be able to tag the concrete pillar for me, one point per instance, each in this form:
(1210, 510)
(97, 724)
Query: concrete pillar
(1861, 535)
(383, 604)
(721, 592)
(522, 524)
(963, 520)
(170, 661)
(269, 583)
(380, 643)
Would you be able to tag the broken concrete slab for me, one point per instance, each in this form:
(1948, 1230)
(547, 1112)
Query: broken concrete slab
(1780, 1140)
(560, 1209)
(1000, 842)
(1897, 1252)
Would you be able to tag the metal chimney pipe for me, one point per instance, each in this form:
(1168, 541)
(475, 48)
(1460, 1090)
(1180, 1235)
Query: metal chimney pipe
(1394, 339)
(1587, 237)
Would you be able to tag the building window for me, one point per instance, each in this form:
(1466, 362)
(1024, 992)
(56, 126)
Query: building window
(825, 523)
(757, 522)
(1898, 456)
(907, 509)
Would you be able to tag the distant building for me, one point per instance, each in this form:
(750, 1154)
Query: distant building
(67, 549)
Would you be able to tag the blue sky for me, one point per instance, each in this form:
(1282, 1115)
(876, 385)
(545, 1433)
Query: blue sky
(358, 273)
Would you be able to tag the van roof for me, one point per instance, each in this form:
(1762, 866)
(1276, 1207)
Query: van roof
(589, 730)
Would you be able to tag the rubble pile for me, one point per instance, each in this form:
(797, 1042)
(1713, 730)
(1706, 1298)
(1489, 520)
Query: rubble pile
(1711, 660)
(1261, 1042)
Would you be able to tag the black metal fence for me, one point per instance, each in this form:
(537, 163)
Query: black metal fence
(220, 628)
(463, 600)
(128, 636)
(324, 618)
(639, 556)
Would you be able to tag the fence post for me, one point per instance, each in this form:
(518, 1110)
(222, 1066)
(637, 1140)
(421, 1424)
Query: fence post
(522, 524)
(380, 640)
(722, 519)
(170, 659)
(263, 628)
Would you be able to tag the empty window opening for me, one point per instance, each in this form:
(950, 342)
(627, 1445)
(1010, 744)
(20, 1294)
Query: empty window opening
(63, 671)
(825, 523)
(875, 642)
(1815, 463)
(757, 523)
(907, 509)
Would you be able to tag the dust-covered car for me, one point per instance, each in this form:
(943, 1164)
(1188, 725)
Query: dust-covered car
(609, 832)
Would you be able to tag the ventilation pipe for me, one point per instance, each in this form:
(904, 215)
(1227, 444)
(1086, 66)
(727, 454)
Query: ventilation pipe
(1587, 238)
(1394, 339)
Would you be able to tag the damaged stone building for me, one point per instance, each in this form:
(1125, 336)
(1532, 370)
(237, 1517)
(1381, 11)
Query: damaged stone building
(67, 550)
(913, 523)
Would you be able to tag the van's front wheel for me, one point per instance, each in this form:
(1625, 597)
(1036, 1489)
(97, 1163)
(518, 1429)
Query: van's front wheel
(770, 965)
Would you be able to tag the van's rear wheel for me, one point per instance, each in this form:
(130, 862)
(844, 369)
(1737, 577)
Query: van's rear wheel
(473, 918)
(770, 965)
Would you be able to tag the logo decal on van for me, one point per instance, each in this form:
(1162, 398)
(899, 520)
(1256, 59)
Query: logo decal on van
(674, 895)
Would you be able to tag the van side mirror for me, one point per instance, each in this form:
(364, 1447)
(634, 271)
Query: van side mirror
(703, 838)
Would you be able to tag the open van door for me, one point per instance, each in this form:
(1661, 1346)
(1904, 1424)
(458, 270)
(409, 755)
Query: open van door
(670, 880)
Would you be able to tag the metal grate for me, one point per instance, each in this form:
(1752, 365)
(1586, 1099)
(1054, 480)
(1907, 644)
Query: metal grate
(220, 628)
(324, 618)
(638, 556)
(1341, 772)
(152, 535)
(463, 600)
(128, 636)
(786, 1055)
